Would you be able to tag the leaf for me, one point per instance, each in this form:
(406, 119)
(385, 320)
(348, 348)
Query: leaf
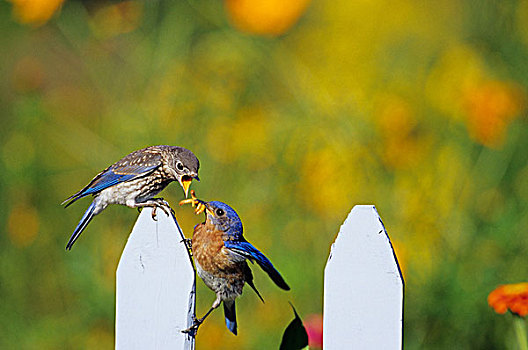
(295, 336)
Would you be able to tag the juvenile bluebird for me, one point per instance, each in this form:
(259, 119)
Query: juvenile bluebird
(135, 179)
(220, 252)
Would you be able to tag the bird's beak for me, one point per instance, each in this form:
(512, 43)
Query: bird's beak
(185, 183)
(196, 178)
(209, 209)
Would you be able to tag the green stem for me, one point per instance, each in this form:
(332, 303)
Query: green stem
(520, 332)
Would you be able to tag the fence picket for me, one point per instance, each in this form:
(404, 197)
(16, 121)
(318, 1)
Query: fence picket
(155, 287)
(363, 286)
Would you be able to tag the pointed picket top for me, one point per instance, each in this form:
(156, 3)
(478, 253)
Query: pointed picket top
(155, 287)
(363, 286)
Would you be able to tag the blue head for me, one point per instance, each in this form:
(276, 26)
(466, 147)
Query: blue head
(224, 218)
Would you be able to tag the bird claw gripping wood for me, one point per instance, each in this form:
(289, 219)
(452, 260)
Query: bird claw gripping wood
(163, 205)
(195, 202)
(192, 330)
(188, 244)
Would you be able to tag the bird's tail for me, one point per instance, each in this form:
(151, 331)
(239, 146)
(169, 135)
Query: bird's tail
(69, 201)
(87, 217)
(230, 316)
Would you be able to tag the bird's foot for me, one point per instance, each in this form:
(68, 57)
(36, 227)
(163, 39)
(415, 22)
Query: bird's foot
(188, 244)
(192, 330)
(195, 202)
(163, 205)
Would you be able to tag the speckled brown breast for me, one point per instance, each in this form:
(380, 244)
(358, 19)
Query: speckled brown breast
(151, 185)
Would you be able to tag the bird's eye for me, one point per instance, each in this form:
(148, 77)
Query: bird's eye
(220, 212)
(179, 166)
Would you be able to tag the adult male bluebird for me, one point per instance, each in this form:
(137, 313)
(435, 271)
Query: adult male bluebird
(220, 252)
(135, 179)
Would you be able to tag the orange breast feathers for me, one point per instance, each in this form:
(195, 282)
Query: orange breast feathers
(208, 249)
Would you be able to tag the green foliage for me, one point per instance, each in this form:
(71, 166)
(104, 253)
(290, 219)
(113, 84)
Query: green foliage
(417, 107)
(295, 336)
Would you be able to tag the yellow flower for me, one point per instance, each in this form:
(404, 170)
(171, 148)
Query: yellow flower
(400, 250)
(513, 297)
(119, 18)
(401, 147)
(268, 17)
(328, 181)
(247, 136)
(23, 225)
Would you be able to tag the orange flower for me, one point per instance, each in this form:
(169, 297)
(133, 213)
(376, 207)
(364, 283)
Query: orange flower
(510, 296)
(491, 107)
(268, 17)
(35, 12)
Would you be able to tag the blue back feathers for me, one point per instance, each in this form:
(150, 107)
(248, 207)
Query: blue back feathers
(238, 244)
(110, 177)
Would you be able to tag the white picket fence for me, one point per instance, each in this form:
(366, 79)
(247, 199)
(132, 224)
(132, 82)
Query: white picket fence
(363, 298)
(363, 286)
(155, 297)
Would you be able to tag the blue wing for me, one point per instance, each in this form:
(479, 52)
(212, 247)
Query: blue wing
(247, 250)
(120, 172)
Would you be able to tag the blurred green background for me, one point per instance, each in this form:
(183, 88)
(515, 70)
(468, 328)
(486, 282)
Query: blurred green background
(297, 112)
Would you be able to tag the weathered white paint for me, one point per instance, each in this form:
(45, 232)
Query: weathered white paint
(363, 287)
(155, 287)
